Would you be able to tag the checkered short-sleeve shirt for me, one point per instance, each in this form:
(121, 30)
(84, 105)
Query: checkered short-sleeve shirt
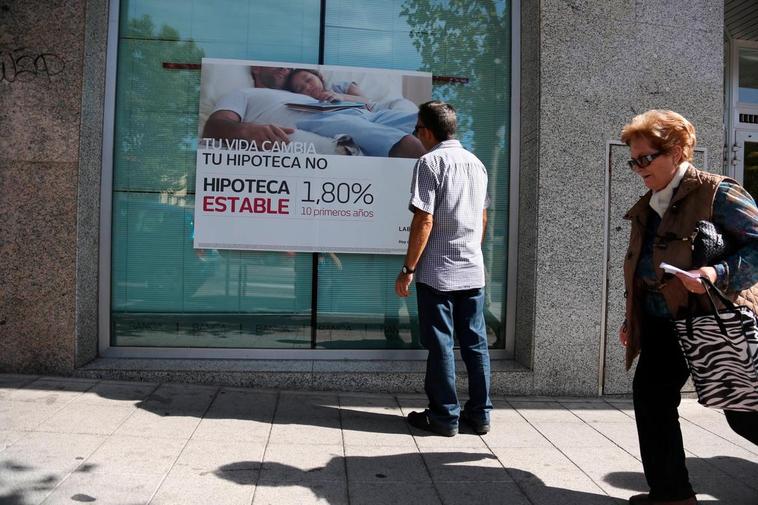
(451, 184)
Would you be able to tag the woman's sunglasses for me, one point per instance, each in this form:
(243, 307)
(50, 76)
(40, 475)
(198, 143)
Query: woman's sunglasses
(643, 161)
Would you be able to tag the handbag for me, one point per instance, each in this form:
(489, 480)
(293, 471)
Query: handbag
(721, 349)
(708, 245)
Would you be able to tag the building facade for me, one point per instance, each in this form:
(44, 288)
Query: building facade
(100, 125)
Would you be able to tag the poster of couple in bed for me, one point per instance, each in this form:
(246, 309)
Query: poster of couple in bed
(309, 158)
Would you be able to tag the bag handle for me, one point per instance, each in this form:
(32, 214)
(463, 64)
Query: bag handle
(711, 289)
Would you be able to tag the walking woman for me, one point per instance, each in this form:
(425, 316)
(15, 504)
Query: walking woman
(661, 144)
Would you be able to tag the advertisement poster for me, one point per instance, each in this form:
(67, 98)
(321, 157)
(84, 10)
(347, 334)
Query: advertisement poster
(306, 158)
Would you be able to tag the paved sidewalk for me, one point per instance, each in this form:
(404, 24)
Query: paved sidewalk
(85, 441)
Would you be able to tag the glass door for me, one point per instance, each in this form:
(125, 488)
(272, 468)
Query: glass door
(746, 168)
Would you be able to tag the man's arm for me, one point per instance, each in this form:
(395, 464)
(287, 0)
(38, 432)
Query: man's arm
(421, 227)
(226, 124)
(484, 224)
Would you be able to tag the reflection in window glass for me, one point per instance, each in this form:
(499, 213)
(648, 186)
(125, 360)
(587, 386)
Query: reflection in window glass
(748, 76)
(466, 46)
(164, 292)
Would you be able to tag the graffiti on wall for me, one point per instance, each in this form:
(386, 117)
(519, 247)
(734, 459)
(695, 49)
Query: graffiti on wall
(24, 65)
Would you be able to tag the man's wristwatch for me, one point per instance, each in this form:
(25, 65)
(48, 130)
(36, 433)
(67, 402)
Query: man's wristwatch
(407, 270)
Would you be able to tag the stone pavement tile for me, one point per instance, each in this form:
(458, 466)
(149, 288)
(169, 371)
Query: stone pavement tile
(549, 478)
(302, 408)
(394, 493)
(117, 394)
(27, 488)
(208, 456)
(94, 419)
(597, 412)
(574, 435)
(382, 437)
(515, 434)
(729, 459)
(411, 403)
(385, 464)
(303, 463)
(721, 429)
(55, 452)
(9, 383)
(142, 423)
(305, 434)
(183, 399)
(544, 412)
(315, 493)
(238, 415)
(690, 409)
(25, 416)
(102, 489)
(9, 437)
(464, 440)
(623, 435)
(217, 488)
(624, 405)
(464, 465)
(385, 427)
(504, 414)
(368, 402)
(135, 455)
(704, 443)
(52, 390)
(32, 467)
(712, 484)
(493, 493)
(613, 469)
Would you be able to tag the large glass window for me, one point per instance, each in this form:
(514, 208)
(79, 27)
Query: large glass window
(748, 75)
(164, 292)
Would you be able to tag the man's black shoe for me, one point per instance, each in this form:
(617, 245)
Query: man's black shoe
(479, 428)
(420, 420)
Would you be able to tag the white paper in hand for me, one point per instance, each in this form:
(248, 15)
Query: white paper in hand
(671, 269)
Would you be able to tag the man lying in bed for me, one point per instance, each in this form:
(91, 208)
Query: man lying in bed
(259, 113)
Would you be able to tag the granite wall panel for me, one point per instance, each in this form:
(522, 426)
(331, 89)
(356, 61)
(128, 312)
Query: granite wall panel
(38, 247)
(603, 62)
(41, 51)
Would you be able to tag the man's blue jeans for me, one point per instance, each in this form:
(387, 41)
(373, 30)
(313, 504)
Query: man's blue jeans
(442, 314)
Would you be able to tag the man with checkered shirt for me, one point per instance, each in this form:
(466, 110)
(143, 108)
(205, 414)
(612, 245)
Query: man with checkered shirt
(449, 204)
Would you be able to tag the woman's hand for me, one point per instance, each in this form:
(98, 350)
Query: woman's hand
(624, 334)
(696, 285)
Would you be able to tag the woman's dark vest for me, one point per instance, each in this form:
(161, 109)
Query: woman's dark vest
(692, 202)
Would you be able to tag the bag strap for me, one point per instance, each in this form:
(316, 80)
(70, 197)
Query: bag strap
(711, 290)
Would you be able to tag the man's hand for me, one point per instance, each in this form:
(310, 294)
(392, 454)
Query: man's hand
(402, 283)
(695, 285)
(226, 124)
(261, 133)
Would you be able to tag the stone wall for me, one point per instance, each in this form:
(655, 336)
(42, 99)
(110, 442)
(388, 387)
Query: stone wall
(600, 64)
(40, 101)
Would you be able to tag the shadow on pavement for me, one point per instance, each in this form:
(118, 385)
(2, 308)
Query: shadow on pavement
(713, 476)
(392, 479)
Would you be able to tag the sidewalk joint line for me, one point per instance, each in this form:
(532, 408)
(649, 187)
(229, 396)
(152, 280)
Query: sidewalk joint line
(186, 443)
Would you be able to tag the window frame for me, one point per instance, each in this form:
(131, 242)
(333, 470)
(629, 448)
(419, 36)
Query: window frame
(106, 350)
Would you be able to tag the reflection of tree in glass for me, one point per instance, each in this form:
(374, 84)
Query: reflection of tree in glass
(471, 39)
(468, 38)
(156, 109)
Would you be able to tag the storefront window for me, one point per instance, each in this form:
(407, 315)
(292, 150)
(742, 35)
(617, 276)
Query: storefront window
(167, 294)
(748, 78)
